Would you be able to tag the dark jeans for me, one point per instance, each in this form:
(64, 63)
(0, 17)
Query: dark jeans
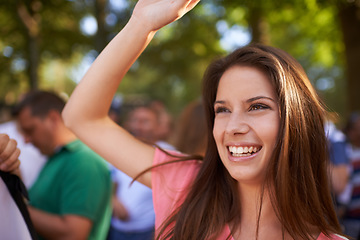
(115, 234)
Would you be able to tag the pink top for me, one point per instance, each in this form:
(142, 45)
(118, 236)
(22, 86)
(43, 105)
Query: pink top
(170, 184)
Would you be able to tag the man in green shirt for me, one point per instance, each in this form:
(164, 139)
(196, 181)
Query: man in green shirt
(71, 197)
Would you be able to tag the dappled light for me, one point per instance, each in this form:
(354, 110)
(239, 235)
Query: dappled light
(312, 32)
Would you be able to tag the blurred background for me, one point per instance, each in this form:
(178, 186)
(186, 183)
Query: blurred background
(49, 44)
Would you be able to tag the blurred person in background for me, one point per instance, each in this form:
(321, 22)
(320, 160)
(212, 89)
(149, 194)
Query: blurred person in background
(71, 197)
(351, 219)
(32, 160)
(190, 133)
(340, 167)
(165, 121)
(133, 212)
(143, 122)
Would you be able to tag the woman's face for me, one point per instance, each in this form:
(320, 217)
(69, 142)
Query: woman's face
(246, 123)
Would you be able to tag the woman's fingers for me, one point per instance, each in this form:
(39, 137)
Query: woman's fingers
(192, 4)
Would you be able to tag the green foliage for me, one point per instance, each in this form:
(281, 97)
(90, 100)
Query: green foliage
(312, 35)
(171, 68)
(58, 25)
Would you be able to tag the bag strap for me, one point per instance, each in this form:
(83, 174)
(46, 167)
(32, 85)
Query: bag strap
(18, 192)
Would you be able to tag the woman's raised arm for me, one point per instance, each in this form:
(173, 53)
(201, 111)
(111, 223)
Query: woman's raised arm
(86, 112)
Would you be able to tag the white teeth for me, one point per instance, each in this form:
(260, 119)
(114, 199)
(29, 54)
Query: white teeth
(243, 151)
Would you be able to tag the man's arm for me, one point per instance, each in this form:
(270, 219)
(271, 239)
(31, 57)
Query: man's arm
(119, 210)
(339, 176)
(67, 227)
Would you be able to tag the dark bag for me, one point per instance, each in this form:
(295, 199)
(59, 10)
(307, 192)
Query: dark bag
(18, 192)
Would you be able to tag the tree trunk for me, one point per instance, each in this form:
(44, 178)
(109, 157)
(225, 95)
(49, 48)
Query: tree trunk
(257, 24)
(101, 35)
(33, 51)
(29, 15)
(349, 14)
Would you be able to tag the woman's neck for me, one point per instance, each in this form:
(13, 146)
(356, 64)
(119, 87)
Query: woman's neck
(253, 204)
(270, 227)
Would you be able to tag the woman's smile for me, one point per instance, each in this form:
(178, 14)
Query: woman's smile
(243, 153)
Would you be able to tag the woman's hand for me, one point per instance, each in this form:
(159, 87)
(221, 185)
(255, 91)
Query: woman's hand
(155, 14)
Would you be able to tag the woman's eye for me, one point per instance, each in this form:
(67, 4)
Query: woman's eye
(258, 107)
(221, 110)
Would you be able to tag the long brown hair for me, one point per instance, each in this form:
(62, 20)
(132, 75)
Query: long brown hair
(297, 176)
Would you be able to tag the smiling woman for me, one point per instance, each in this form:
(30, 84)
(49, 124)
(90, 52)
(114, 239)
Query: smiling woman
(264, 174)
(260, 97)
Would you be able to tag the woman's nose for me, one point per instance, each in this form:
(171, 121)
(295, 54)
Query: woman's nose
(237, 124)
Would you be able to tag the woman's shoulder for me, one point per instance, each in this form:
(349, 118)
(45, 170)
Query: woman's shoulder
(162, 157)
(171, 166)
(171, 179)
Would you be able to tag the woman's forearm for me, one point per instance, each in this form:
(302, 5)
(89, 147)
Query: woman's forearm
(91, 100)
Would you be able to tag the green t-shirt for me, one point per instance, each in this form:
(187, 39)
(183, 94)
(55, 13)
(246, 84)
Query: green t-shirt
(75, 181)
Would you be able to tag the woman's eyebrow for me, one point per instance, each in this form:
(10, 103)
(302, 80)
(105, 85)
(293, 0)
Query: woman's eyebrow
(260, 97)
(248, 101)
(219, 102)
